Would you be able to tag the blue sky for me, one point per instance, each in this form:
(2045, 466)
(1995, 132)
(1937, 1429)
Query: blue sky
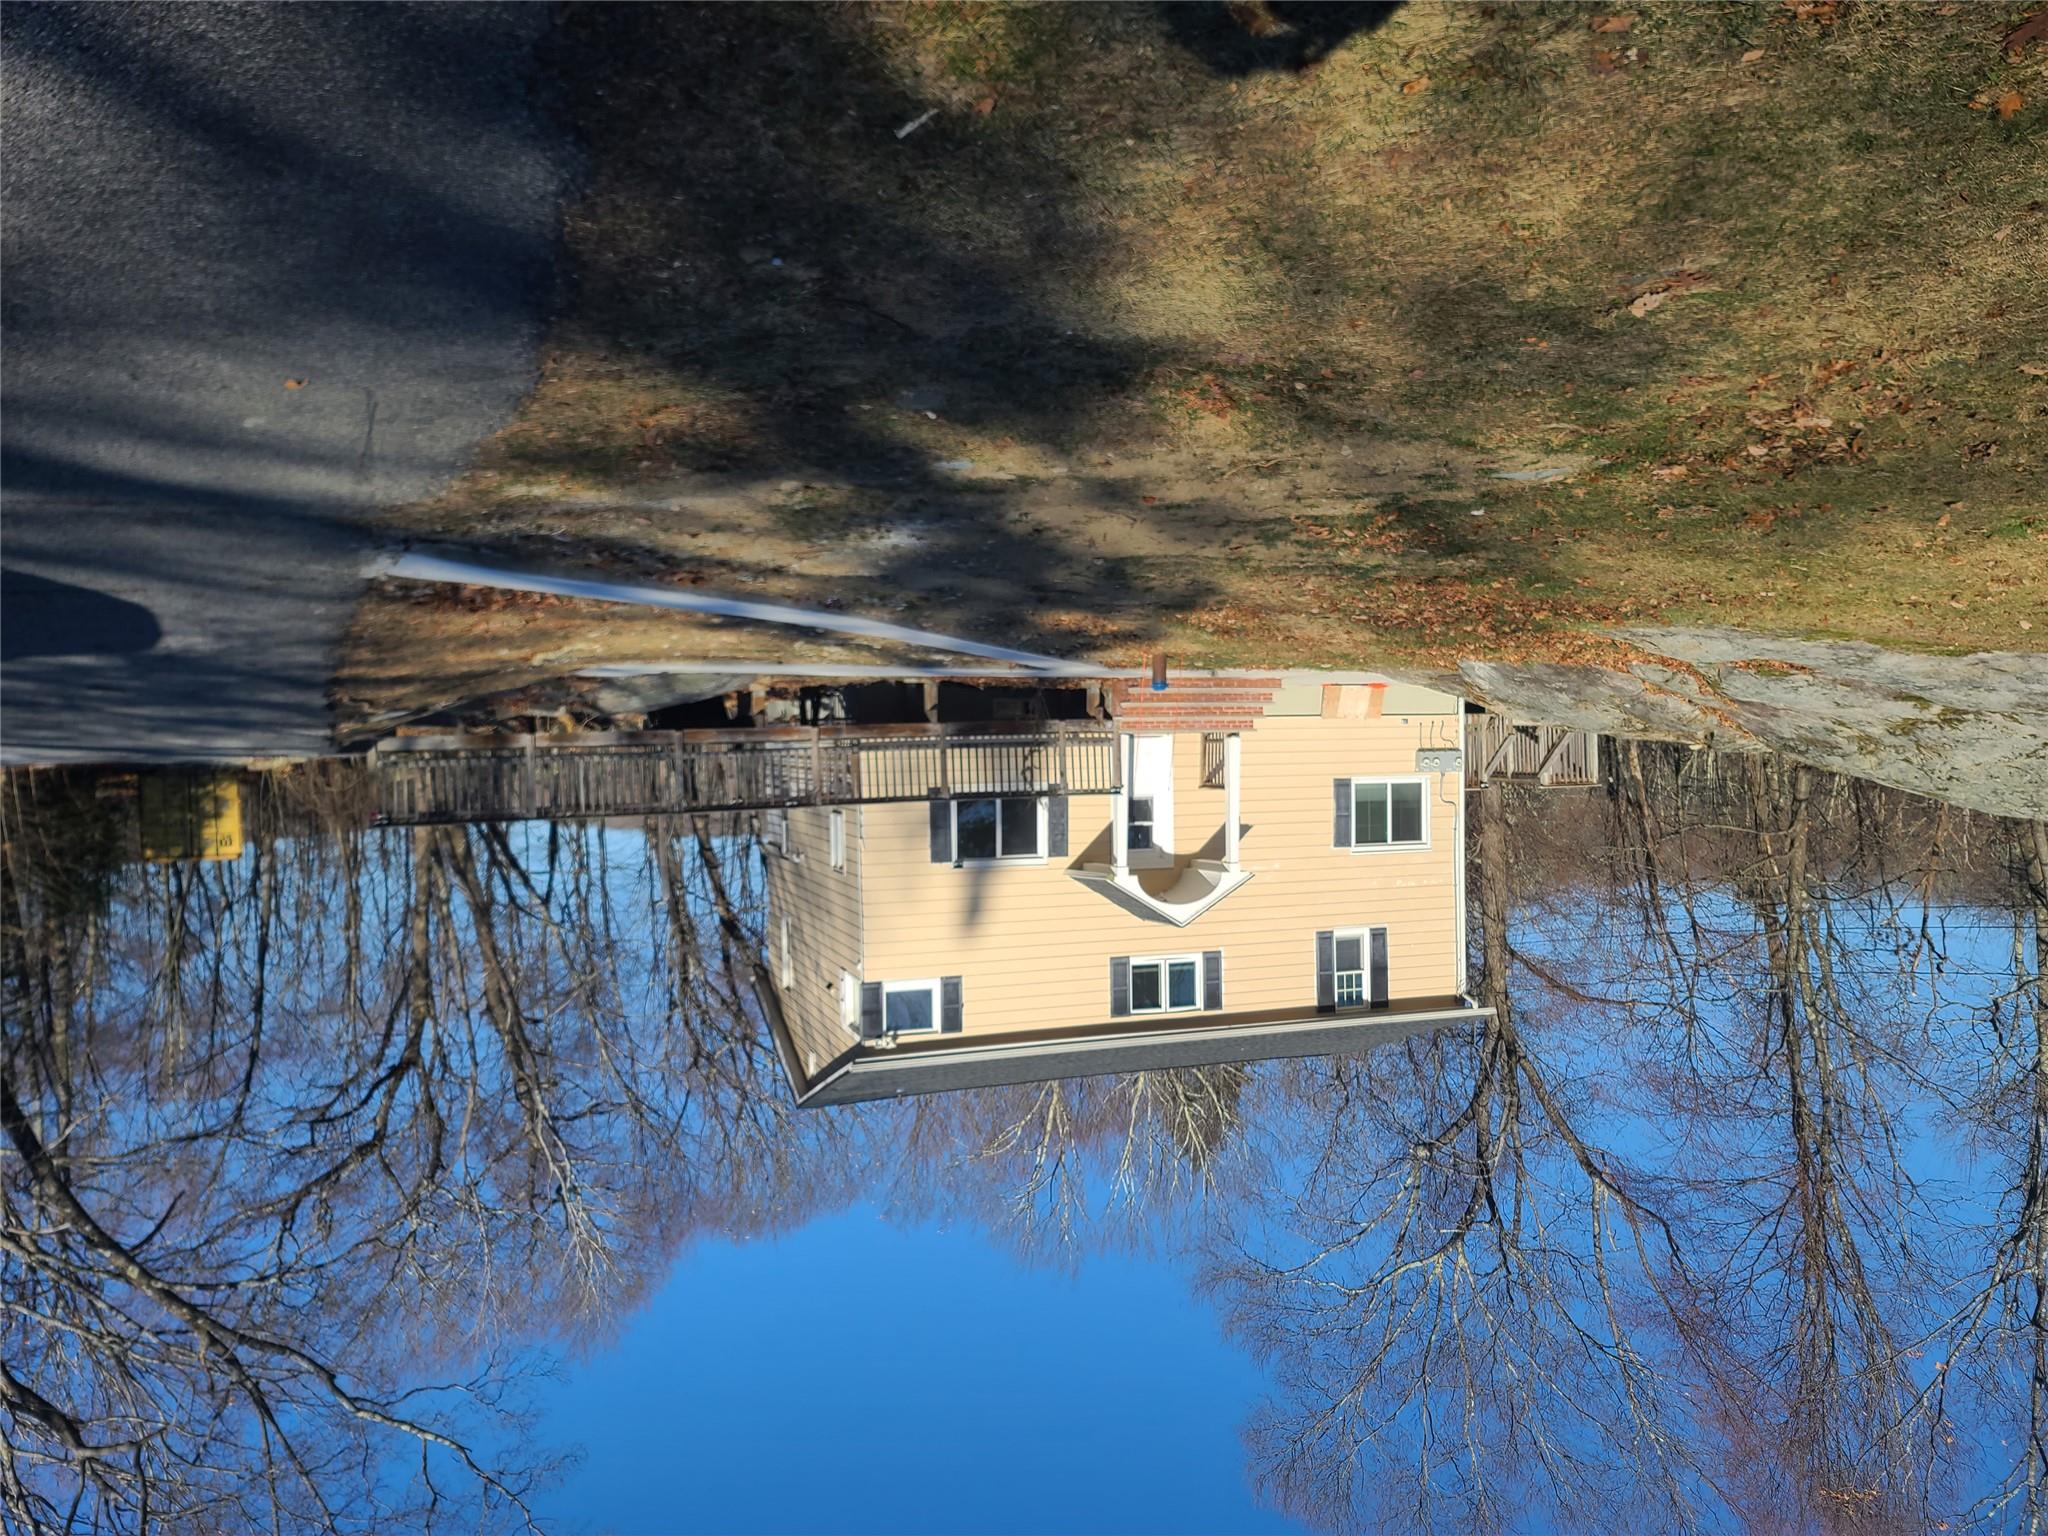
(858, 1376)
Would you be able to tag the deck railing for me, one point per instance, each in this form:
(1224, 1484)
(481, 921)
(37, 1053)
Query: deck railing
(1551, 755)
(432, 779)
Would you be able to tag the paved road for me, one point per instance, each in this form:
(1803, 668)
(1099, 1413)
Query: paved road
(267, 269)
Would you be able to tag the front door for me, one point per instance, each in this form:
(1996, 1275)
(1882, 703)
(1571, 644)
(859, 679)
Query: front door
(1150, 802)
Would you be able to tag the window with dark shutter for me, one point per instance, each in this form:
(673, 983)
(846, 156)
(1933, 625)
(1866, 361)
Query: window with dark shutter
(949, 1005)
(1212, 979)
(942, 831)
(1340, 831)
(1120, 987)
(1351, 968)
(1056, 827)
(871, 1010)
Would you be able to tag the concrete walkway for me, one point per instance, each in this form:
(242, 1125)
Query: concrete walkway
(267, 269)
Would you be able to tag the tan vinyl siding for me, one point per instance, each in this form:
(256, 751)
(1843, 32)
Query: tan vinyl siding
(822, 906)
(1033, 945)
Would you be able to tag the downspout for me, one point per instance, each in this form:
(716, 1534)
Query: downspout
(1464, 937)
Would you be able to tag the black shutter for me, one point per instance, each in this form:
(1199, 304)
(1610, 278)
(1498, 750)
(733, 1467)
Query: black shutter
(1212, 979)
(949, 1005)
(1326, 969)
(1056, 827)
(871, 1010)
(942, 831)
(1120, 986)
(1378, 977)
(1340, 830)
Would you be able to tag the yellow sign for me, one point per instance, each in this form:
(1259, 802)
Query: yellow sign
(191, 816)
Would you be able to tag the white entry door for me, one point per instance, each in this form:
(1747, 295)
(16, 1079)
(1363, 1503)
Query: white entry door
(1150, 801)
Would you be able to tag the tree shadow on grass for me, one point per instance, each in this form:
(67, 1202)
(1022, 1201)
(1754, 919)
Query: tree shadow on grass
(757, 233)
(1246, 38)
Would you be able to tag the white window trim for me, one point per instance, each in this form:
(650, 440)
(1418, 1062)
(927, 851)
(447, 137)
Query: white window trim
(1162, 961)
(849, 1002)
(1364, 936)
(788, 956)
(838, 839)
(928, 984)
(1024, 859)
(1390, 779)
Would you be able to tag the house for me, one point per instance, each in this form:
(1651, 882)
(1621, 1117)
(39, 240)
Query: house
(1275, 870)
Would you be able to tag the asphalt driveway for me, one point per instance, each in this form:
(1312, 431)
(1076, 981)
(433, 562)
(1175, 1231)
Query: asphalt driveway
(268, 268)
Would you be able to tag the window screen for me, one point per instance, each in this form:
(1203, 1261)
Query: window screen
(1141, 821)
(976, 829)
(1019, 828)
(910, 1009)
(1385, 814)
(1146, 994)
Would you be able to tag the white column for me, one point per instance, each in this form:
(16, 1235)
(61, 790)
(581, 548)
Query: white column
(1119, 822)
(1230, 792)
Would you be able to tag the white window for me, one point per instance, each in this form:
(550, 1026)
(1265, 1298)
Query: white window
(839, 839)
(1166, 983)
(1009, 828)
(1351, 962)
(1389, 813)
(910, 1007)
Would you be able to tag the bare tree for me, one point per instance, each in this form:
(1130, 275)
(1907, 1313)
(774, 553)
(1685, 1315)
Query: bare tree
(307, 1151)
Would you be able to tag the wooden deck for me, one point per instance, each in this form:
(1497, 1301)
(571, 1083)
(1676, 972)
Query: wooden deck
(1552, 756)
(436, 779)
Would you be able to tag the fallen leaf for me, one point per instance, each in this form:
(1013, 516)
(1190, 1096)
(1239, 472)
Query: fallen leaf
(986, 105)
(1416, 86)
(2026, 623)
(1668, 472)
(2032, 30)
(1614, 23)
(294, 383)
(2035, 370)
(1605, 60)
(1644, 303)
(1943, 520)
(1752, 56)
(2009, 104)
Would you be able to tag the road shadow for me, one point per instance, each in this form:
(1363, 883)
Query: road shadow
(268, 270)
(40, 617)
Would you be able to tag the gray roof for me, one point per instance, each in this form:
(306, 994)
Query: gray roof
(865, 1073)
